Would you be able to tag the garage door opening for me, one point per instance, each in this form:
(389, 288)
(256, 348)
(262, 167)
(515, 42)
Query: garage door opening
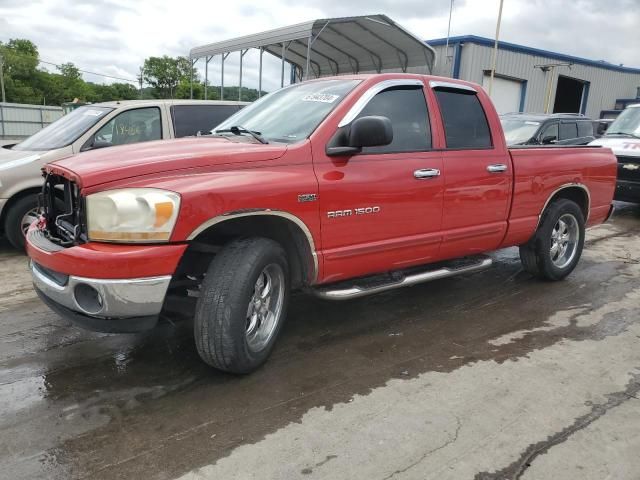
(507, 93)
(569, 95)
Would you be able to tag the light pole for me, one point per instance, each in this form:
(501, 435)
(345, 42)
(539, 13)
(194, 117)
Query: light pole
(446, 48)
(495, 48)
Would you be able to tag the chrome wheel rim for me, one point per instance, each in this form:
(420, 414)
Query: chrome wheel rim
(565, 237)
(27, 219)
(265, 307)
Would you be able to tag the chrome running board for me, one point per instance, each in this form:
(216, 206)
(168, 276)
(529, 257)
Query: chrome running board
(404, 278)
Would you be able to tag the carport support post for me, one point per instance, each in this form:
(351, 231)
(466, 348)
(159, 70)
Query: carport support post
(224, 57)
(260, 74)
(308, 65)
(242, 54)
(282, 70)
(192, 62)
(206, 75)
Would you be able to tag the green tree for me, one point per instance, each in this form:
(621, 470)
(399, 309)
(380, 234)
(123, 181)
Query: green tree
(70, 71)
(20, 59)
(165, 74)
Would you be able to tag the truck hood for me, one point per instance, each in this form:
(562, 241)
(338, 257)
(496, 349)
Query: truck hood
(621, 146)
(117, 163)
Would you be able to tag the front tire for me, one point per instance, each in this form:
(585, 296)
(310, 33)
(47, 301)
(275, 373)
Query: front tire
(556, 247)
(19, 218)
(242, 305)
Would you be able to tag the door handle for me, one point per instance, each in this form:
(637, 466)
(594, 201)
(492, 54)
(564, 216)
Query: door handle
(426, 173)
(497, 168)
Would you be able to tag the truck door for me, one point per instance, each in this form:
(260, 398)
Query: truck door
(477, 169)
(381, 209)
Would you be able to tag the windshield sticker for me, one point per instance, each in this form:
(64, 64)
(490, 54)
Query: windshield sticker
(532, 123)
(93, 113)
(320, 97)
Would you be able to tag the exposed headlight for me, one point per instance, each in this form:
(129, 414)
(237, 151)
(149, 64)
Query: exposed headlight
(132, 215)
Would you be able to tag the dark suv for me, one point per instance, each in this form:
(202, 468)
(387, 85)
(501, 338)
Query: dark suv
(547, 129)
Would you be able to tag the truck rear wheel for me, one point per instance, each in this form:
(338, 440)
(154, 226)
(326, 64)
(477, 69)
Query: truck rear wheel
(556, 247)
(242, 305)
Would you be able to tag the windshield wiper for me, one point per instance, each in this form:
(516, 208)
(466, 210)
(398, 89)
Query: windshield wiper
(239, 130)
(623, 133)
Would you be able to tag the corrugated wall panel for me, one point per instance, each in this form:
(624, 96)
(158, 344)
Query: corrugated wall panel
(605, 85)
(21, 120)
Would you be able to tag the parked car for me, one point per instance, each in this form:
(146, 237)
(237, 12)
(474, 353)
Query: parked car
(91, 127)
(341, 187)
(623, 137)
(547, 129)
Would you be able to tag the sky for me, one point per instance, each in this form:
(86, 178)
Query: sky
(114, 37)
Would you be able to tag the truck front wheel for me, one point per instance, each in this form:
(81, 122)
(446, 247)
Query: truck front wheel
(242, 305)
(556, 247)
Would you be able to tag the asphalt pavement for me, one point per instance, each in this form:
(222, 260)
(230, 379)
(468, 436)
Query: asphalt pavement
(493, 375)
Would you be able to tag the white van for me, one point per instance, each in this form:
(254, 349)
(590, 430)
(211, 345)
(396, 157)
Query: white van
(86, 128)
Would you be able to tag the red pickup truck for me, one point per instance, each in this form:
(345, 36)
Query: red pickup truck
(342, 187)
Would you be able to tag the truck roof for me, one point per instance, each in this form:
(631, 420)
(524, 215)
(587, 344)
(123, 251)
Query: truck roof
(174, 101)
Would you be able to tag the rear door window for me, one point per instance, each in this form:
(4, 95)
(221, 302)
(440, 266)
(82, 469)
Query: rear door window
(190, 119)
(406, 107)
(568, 130)
(465, 123)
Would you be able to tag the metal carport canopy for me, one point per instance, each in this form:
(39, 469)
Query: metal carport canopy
(332, 46)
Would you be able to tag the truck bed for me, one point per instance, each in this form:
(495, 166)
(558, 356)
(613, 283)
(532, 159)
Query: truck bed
(539, 171)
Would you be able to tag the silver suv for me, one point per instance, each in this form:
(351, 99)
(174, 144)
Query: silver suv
(89, 127)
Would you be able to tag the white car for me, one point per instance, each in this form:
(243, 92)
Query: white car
(86, 128)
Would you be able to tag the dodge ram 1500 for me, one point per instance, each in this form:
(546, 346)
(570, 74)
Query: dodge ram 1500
(341, 187)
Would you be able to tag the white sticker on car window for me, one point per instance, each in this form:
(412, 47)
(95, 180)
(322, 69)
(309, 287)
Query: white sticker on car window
(93, 113)
(320, 97)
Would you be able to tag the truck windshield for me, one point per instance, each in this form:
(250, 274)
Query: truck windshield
(291, 114)
(518, 130)
(66, 130)
(627, 123)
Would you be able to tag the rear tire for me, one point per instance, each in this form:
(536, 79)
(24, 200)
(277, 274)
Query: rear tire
(242, 305)
(20, 212)
(556, 247)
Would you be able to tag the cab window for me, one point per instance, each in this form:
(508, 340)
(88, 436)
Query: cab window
(465, 123)
(406, 107)
(131, 126)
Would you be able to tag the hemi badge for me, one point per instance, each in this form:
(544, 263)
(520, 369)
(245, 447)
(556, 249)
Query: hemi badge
(630, 166)
(307, 197)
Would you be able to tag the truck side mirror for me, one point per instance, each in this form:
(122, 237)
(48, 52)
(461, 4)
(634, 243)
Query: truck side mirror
(549, 139)
(371, 131)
